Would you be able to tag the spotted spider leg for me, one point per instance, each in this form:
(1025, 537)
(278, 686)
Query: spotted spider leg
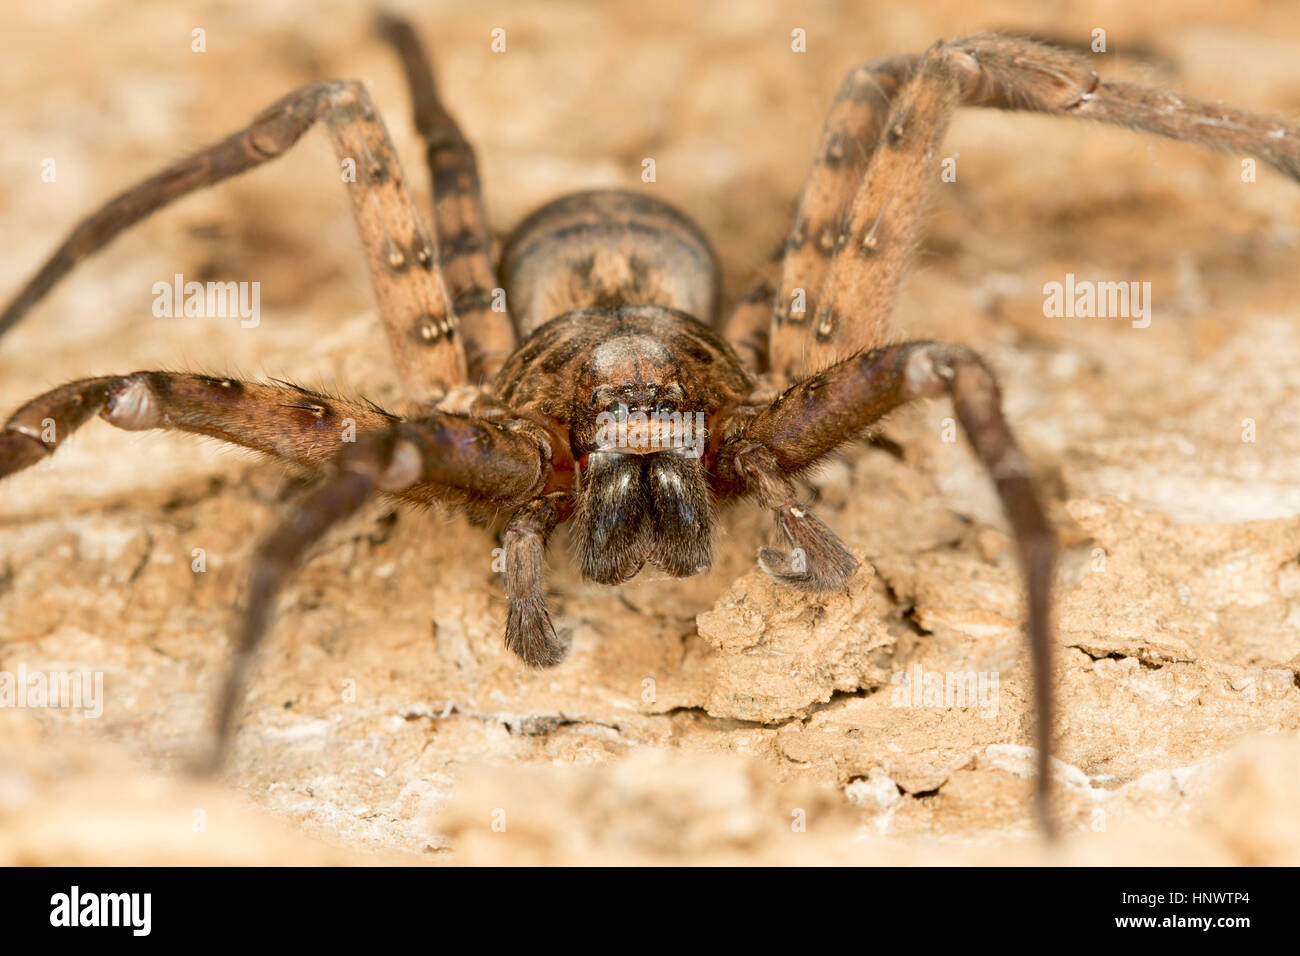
(290, 422)
(464, 243)
(748, 327)
(401, 254)
(858, 219)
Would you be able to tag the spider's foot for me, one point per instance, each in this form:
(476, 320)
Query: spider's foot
(817, 561)
(531, 635)
(795, 570)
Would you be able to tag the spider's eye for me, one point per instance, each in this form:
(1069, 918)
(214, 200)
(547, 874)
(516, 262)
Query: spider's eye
(665, 408)
(619, 411)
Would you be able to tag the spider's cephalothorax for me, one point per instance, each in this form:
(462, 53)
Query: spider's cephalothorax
(625, 379)
(611, 393)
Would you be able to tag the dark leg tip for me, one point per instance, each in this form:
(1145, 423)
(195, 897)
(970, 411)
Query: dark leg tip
(800, 571)
(19, 451)
(817, 562)
(530, 634)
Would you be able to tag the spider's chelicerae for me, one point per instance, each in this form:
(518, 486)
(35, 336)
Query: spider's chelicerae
(611, 394)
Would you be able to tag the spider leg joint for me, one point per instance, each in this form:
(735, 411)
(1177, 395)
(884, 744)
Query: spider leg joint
(132, 406)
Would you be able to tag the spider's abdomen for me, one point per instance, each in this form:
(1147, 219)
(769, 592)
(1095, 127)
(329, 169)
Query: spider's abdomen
(605, 249)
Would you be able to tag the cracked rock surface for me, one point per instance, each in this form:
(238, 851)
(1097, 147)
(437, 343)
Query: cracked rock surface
(717, 719)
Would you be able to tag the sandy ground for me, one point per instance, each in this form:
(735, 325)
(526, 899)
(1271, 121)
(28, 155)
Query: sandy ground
(717, 719)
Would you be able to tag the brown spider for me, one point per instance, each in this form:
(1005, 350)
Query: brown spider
(611, 395)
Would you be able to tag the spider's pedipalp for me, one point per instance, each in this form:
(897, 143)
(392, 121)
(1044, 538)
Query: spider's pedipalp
(529, 631)
(817, 561)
